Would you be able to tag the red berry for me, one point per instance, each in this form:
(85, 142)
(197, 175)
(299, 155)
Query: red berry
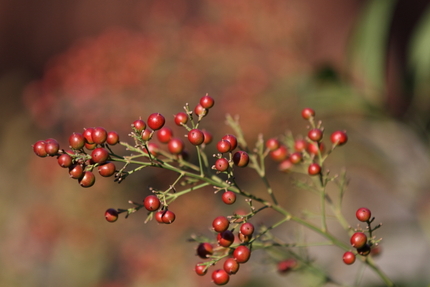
(165, 134)
(279, 154)
(153, 149)
(76, 141)
(39, 148)
(99, 155)
(99, 135)
(175, 146)
(168, 217)
(112, 138)
(221, 164)
(308, 113)
(208, 137)
(207, 102)
(286, 265)
(358, 240)
(241, 158)
(139, 125)
(241, 254)
(151, 203)
(159, 216)
(90, 146)
(244, 238)
(204, 250)
(296, 157)
(229, 197)
(88, 179)
(181, 118)
(88, 135)
(364, 250)
(200, 111)
(196, 137)
(76, 171)
(107, 169)
(220, 223)
(247, 229)
(314, 169)
(231, 266)
(220, 277)
(146, 135)
(156, 121)
(348, 258)
(273, 144)
(225, 238)
(51, 147)
(201, 269)
(339, 138)
(315, 135)
(313, 148)
(363, 214)
(232, 139)
(300, 145)
(286, 165)
(223, 146)
(65, 160)
(111, 215)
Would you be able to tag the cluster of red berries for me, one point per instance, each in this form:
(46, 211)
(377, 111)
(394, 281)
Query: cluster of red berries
(88, 150)
(359, 240)
(234, 255)
(228, 144)
(311, 146)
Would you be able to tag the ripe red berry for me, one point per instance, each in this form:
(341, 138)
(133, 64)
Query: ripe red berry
(207, 102)
(315, 135)
(151, 202)
(225, 238)
(175, 146)
(196, 137)
(156, 121)
(111, 215)
(339, 138)
(65, 160)
(273, 144)
(159, 216)
(286, 265)
(358, 240)
(204, 250)
(39, 148)
(76, 141)
(76, 171)
(296, 157)
(90, 146)
(88, 135)
(232, 139)
(241, 158)
(88, 179)
(208, 137)
(348, 258)
(241, 254)
(146, 134)
(181, 118)
(364, 250)
(308, 113)
(112, 138)
(244, 238)
(223, 146)
(247, 229)
(313, 148)
(139, 125)
(285, 166)
(300, 145)
(279, 154)
(229, 197)
(231, 266)
(107, 169)
(314, 169)
(220, 277)
(200, 111)
(168, 217)
(99, 155)
(220, 223)
(52, 147)
(363, 214)
(99, 135)
(221, 164)
(200, 269)
(165, 134)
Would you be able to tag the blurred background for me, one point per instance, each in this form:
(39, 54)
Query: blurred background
(364, 66)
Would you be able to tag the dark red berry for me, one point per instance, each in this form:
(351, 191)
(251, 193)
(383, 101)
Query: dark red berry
(339, 138)
(220, 223)
(220, 277)
(107, 169)
(88, 135)
(314, 169)
(175, 146)
(315, 135)
(242, 254)
(200, 111)
(358, 240)
(151, 203)
(273, 144)
(241, 158)
(156, 121)
(208, 137)
(76, 171)
(223, 146)
(139, 125)
(111, 215)
(99, 135)
(287, 265)
(204, 250)
(225, 238)
(65, 160)
(200, 269)
(247, 229)
(76, 141)
(231, 266)
(348, 258)
(165, 134)
(364, 250)
(88, 179)
(196, 137)
(229, 197)
(181, 118)
(232, 139)
(221, 164)
(168, 217)
(39, 148)
(363, 214)
(52, 147)
(99, 155)
(112, 138)
(207, 102)
(308, 113)
(279, 154)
